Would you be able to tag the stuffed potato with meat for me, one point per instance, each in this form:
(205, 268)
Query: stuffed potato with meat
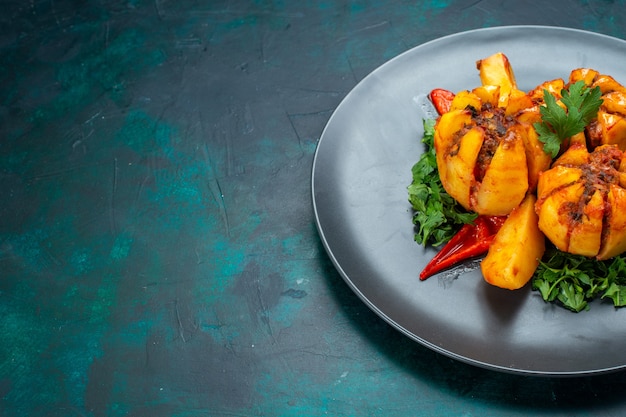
(491, 161)
(609, 128)
(581, 201)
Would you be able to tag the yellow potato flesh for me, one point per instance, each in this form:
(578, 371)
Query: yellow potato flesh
(516, 250)
(585, 74)
(537, 160)
(554, 87)
(615, 238)
(622, 179)
(445, 129)
(585, 235)
(506, 179)
(557, 177)
(488, 94)
(529, 115)
(459, 166)
(465, 99)
(496, 70)
(575, 155)
(578, 139)
(613, 129)
(614, 102)
(582, 202)
(607, 84)
(622, 172)
(555, 218)
(518, 101)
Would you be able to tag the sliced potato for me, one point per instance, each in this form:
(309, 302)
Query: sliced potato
(585, 74)
(445, 129)
(516, 250)
(496, 70)
(518, 102)
(554, 87)
(488, 94)
(613, 129)
(615, 239)
(555, 215)
(575, 155)
(506, 180)
(585, 235)
(607, 83)
(464, 99)
(459, 167)
(538, 161)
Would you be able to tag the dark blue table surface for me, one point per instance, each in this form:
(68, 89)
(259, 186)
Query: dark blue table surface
(158, 249)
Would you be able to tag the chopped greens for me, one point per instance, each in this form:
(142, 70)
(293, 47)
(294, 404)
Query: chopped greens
(575, 280)
(557, 124)
(437, 215)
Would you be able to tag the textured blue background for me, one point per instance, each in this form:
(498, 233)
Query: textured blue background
(158, 253)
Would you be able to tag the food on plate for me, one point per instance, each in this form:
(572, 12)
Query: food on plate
(609, 127)
(516, 249)
(473, 239)
(487, 158)
(435, 214)
(575, 280)
(582, 201)
(496, 72)
(549, 163)
(563, 121)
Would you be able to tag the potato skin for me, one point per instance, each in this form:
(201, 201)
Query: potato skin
(581, 202)
(488, 153)
(491, 161)
(609, 127)
(497, 70)
(505, 182)
(516, 250)
(487, 160)
(615, 238)
(455, 171)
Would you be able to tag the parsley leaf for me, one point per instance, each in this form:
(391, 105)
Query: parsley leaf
(558, 124)
(437, 216)
(575, 280)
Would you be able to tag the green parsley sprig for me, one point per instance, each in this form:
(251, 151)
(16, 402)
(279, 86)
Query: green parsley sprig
(582, 104)
(575, 280)
(437, 216)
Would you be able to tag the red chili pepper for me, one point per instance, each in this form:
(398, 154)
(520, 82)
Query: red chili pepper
(470, 241)
(441, 99)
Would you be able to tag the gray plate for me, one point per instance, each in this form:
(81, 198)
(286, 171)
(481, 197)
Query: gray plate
(362, 168)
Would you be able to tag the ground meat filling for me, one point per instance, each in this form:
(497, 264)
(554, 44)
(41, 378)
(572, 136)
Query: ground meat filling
(597, 176)
(496, 125)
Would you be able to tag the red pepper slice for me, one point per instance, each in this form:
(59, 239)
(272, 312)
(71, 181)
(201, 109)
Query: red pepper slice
(470, 241)
(441, 99)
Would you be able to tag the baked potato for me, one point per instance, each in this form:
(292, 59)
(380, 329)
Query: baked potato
(488, 158)
(581, 201)
(609, 128)
(516, 249)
